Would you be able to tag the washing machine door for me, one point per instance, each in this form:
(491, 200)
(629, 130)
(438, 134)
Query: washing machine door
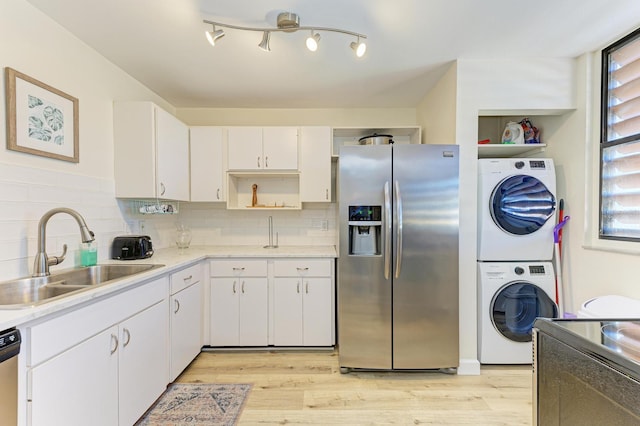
(516, 306)
(521, 204)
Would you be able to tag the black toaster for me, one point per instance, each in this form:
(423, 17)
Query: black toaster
(129, 247)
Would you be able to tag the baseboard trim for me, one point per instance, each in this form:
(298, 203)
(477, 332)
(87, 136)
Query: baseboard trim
(469, 367)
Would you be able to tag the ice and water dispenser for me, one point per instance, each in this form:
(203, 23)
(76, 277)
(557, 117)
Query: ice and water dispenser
(365, 230)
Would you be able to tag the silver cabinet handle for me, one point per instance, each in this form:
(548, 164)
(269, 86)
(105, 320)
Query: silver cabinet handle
(258, 162)
(326, 194)
(114, 340)
(126, 334)
(187, 278)
(266, 162)
(302, 269)
(234, 287)
(162, 188)
(242, 287)
(387, 236)
(218, 193)
(298, 287)
(398, 229)
(238, 269)
(177, 306)
(306, 287)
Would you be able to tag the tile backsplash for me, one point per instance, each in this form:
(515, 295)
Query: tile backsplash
(26, 193)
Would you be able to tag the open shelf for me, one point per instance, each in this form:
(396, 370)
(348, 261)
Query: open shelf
(496, 150)
(276, 191)
(351, 135)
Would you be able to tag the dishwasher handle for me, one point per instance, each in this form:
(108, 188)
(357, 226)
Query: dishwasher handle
(9, 344)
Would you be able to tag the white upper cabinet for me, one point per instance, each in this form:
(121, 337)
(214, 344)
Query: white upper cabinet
(151, 152)
(207, 164)
(258, 148)
(315, 164)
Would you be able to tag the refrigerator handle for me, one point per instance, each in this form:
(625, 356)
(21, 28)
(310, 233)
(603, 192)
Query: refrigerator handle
(387, 236)
(398, 229)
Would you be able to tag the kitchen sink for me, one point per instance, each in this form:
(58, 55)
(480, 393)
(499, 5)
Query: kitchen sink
(33, 291)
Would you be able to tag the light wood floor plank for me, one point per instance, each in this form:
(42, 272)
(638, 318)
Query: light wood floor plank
(306, 388)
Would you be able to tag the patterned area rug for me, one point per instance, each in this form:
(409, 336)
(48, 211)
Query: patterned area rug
(197, 404)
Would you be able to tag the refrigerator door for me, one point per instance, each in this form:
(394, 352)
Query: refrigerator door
(364, 294)
(425, 246)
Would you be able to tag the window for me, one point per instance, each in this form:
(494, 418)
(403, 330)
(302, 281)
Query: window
(620, 140)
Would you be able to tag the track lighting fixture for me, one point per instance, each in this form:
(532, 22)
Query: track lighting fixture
(214, 35)
(288, 22)
(312, 41)
(264, 44)
(359, 47)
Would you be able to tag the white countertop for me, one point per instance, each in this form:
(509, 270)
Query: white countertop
(172, 259)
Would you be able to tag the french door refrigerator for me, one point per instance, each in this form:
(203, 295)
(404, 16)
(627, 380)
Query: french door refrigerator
(398, 257)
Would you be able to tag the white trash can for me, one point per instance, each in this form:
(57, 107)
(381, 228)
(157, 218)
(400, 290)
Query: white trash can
(610, 306)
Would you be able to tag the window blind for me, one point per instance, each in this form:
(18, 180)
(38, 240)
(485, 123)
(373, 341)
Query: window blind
(620, 144)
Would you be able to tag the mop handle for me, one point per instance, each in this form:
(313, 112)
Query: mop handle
(558, 227)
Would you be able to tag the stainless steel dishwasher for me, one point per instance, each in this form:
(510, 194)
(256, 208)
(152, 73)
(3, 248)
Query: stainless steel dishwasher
(9, 349)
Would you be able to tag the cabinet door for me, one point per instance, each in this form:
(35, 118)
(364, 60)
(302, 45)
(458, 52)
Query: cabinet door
(172, 157)
(225, 312)
(186, 328)
(207, 165)
(244, 147)
(143, 361)
(280, 148)
(287, 312)
(253, 312)
(315, 164)
(317, 308)
(79, 386)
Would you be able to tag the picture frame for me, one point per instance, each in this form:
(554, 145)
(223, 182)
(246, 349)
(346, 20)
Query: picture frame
(41, 120)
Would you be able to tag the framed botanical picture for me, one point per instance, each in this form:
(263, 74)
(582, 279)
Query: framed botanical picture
(41, 120)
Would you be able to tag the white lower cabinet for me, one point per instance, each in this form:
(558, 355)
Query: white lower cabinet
(142, 362)
(101, 364)
(186, 318)
(272, 302)
(239, 315)
(73, 387)
(303, 313)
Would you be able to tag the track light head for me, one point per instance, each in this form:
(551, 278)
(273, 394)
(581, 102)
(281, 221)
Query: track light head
(312, 41)
(264, 44)
(214, 35)
(360, 47)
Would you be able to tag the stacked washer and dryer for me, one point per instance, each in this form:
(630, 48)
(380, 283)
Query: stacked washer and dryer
(516, 279)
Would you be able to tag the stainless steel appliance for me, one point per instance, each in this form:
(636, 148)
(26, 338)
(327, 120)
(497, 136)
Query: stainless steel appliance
(398, 265)
(9, 350)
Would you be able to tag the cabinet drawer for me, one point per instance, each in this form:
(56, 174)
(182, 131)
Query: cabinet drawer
(302, 267)
(238, 268)
(185, 277)
(60, 333)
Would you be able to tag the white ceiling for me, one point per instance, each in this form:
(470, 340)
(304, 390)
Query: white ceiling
(162, 44)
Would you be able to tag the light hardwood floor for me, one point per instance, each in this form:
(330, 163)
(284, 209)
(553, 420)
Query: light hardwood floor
(307, 388)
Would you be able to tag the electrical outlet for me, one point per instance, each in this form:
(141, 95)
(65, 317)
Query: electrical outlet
(321, 224)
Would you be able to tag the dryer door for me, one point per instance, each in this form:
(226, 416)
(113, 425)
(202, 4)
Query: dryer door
(516, 306)
(521, 204)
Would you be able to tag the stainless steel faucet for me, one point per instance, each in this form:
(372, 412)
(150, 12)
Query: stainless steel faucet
(42, 261)
(271, 244)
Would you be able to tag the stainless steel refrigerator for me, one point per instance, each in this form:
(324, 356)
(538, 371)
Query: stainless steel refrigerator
(398, 257)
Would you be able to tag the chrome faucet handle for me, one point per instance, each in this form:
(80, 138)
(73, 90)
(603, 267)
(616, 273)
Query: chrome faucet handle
(56, 260)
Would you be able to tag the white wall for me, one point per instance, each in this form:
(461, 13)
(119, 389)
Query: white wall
(437, 111)
(591, 267)
(494, 87)
(30, 185)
